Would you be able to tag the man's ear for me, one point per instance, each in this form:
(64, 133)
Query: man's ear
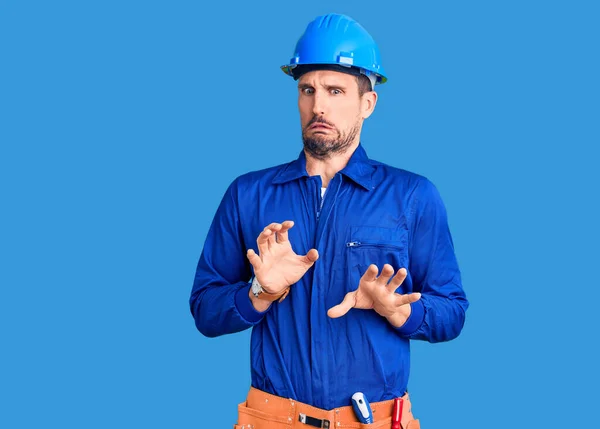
(367, 103)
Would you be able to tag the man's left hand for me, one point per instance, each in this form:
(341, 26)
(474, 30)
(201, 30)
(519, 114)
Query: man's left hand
(379, 294)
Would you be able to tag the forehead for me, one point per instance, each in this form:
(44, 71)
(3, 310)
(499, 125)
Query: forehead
(326, 77)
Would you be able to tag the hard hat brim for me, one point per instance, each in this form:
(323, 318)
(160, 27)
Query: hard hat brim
(297, 70)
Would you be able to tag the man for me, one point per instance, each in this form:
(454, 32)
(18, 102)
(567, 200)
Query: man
(348, 258)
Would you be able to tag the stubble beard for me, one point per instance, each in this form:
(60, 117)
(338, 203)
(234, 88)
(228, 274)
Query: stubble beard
(323, 147)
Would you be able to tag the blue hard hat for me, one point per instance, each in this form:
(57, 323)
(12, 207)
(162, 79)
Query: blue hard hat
(340, 41)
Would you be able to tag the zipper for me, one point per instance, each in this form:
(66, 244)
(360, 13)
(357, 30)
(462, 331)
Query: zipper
(360, 244)
(321, 204)
(322, 200)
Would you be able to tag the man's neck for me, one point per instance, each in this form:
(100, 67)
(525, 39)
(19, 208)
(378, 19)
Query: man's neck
(327, 168)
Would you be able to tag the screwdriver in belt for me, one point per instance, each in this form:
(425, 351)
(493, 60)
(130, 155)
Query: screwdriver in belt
(397, 413)
(362, 408)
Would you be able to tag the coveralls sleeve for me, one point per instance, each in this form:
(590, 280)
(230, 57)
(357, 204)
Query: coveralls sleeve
(219, 300)
(440, 313)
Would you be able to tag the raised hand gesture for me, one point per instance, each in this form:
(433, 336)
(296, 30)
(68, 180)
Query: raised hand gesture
(277, 266)
(379, 294)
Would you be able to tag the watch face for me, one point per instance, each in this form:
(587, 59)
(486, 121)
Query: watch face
(256, 289)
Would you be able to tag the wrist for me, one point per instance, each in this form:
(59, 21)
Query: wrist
(258, 304)
(265, 294)
(269, 289)
(399, 318)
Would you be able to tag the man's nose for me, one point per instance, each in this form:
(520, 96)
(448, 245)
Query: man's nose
(319, 104)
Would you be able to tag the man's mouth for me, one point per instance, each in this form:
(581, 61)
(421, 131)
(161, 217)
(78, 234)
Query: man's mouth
(319, 125)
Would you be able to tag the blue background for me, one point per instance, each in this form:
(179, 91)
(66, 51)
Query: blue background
(123, 122)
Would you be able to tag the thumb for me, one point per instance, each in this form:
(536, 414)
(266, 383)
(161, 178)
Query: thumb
(408, 298)
(311, 257)
(345, 306)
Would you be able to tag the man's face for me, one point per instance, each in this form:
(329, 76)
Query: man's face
(331, 112)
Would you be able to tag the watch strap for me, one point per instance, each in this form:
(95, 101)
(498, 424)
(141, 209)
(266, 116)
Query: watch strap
(272, 296)
(267, 296)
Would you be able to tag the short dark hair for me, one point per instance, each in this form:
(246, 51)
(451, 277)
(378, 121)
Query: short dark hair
(364, 84)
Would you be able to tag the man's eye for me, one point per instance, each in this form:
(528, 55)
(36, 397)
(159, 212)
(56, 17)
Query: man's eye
(308, 91)
(336, 91)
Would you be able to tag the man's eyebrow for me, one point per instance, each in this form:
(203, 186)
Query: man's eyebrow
(328, 87)
(336, 86)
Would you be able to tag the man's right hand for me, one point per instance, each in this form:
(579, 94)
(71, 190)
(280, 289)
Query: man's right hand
(277, 266)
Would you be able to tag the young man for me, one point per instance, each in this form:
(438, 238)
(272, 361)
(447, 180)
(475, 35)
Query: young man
(337, 261)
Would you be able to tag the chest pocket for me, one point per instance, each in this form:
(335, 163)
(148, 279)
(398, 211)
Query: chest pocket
(368, 245)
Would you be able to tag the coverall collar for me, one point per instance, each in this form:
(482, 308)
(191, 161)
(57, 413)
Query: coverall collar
(358, 169)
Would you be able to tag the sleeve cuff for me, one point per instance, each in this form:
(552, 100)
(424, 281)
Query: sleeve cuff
(245, 308)
(415, 320)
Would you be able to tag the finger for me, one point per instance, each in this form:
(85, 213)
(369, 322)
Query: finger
(274, 227)
(386, 273)
(310, 257)
(397, 280)
(254, 259)
(282, 235)
(267, 238)
(371, 273)
(343, 307)
(263, 241)
(408, 298)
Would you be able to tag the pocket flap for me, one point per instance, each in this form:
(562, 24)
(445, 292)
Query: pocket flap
(378, 235)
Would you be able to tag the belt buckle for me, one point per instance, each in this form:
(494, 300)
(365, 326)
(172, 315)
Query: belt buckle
(312, 421)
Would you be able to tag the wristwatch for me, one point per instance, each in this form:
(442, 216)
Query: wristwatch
(260, 293)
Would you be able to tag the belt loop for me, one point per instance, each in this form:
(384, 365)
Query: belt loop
(292, 412)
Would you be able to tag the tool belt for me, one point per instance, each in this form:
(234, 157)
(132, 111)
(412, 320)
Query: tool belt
(263, 410)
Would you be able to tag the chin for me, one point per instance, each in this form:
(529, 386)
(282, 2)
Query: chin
(321, 139)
